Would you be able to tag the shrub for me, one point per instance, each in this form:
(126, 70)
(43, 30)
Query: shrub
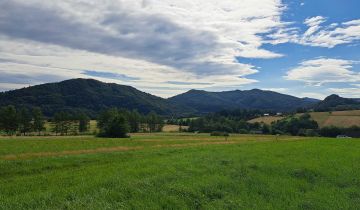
(331, 131)
(113, 124)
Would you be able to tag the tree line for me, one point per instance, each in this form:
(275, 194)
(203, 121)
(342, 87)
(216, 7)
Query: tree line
(25, 121)
(295, 125)
(21, 121)
(118, 122)
(111, 122)
(65, 123)
(234, 124)
(305, 126)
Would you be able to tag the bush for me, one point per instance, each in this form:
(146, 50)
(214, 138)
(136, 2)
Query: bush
(294, 125)
(311, 133)
(331, 131)
(113, 124)
(353, 131)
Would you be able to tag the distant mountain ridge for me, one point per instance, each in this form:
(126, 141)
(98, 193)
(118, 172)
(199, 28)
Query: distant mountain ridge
(205, 102)
(337, 103)
(92, 96)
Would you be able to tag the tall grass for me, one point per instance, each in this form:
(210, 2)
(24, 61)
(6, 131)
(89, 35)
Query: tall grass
(257, 174)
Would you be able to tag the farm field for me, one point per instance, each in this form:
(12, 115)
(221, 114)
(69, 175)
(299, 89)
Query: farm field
(338, 118)
(179, 171)
(266, 119)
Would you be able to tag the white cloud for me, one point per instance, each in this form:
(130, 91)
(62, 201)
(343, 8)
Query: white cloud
(323, 70)
(189, 43)
(318, 34)
(331, 35)
(279, 90)
(197, 41)
(314, 24)
(30, 63)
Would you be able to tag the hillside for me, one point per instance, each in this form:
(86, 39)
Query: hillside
(338, 118)
(205, 102)
(90, 96)
(337, 103)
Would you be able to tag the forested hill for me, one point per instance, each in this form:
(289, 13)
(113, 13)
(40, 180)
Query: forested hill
(206, 102)
(337, 103)
(90, 96)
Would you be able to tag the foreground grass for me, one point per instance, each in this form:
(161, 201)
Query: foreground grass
(253, 172)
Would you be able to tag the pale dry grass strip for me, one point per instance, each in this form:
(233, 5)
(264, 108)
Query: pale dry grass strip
(101, 150)
(123, 148)
(68, 152)
(194, 144)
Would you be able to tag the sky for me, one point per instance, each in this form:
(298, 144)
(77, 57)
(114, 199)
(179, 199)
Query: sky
(304, 48)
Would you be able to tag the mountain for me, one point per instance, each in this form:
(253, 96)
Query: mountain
(311, 100)
(337, 103)
(90, 96)
(205, 102)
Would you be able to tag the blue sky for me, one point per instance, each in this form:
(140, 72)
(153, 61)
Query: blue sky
(305, 48)
(273, 70)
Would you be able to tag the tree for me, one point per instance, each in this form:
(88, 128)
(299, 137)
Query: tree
(331, 131)
(118, 127)
(62, 123)
(9, 120)
(38, 120)
(155, 122)
(265, 129)
(84, 122)
(294, 125)
(24, 121)
(134, 119)
(113, 124)
(151, 121)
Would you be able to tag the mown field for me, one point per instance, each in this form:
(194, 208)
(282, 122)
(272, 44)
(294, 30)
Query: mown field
(339, 118)
(343, 119)
(179, 171)
(266, 119)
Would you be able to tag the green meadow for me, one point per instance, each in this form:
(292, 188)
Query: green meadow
(179, 171)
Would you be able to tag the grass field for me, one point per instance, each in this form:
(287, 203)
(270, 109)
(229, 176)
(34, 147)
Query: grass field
(339, 119)
(179, 171)
(173, 128)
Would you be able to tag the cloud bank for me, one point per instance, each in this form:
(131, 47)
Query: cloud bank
(324, 70)
(162, 46)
